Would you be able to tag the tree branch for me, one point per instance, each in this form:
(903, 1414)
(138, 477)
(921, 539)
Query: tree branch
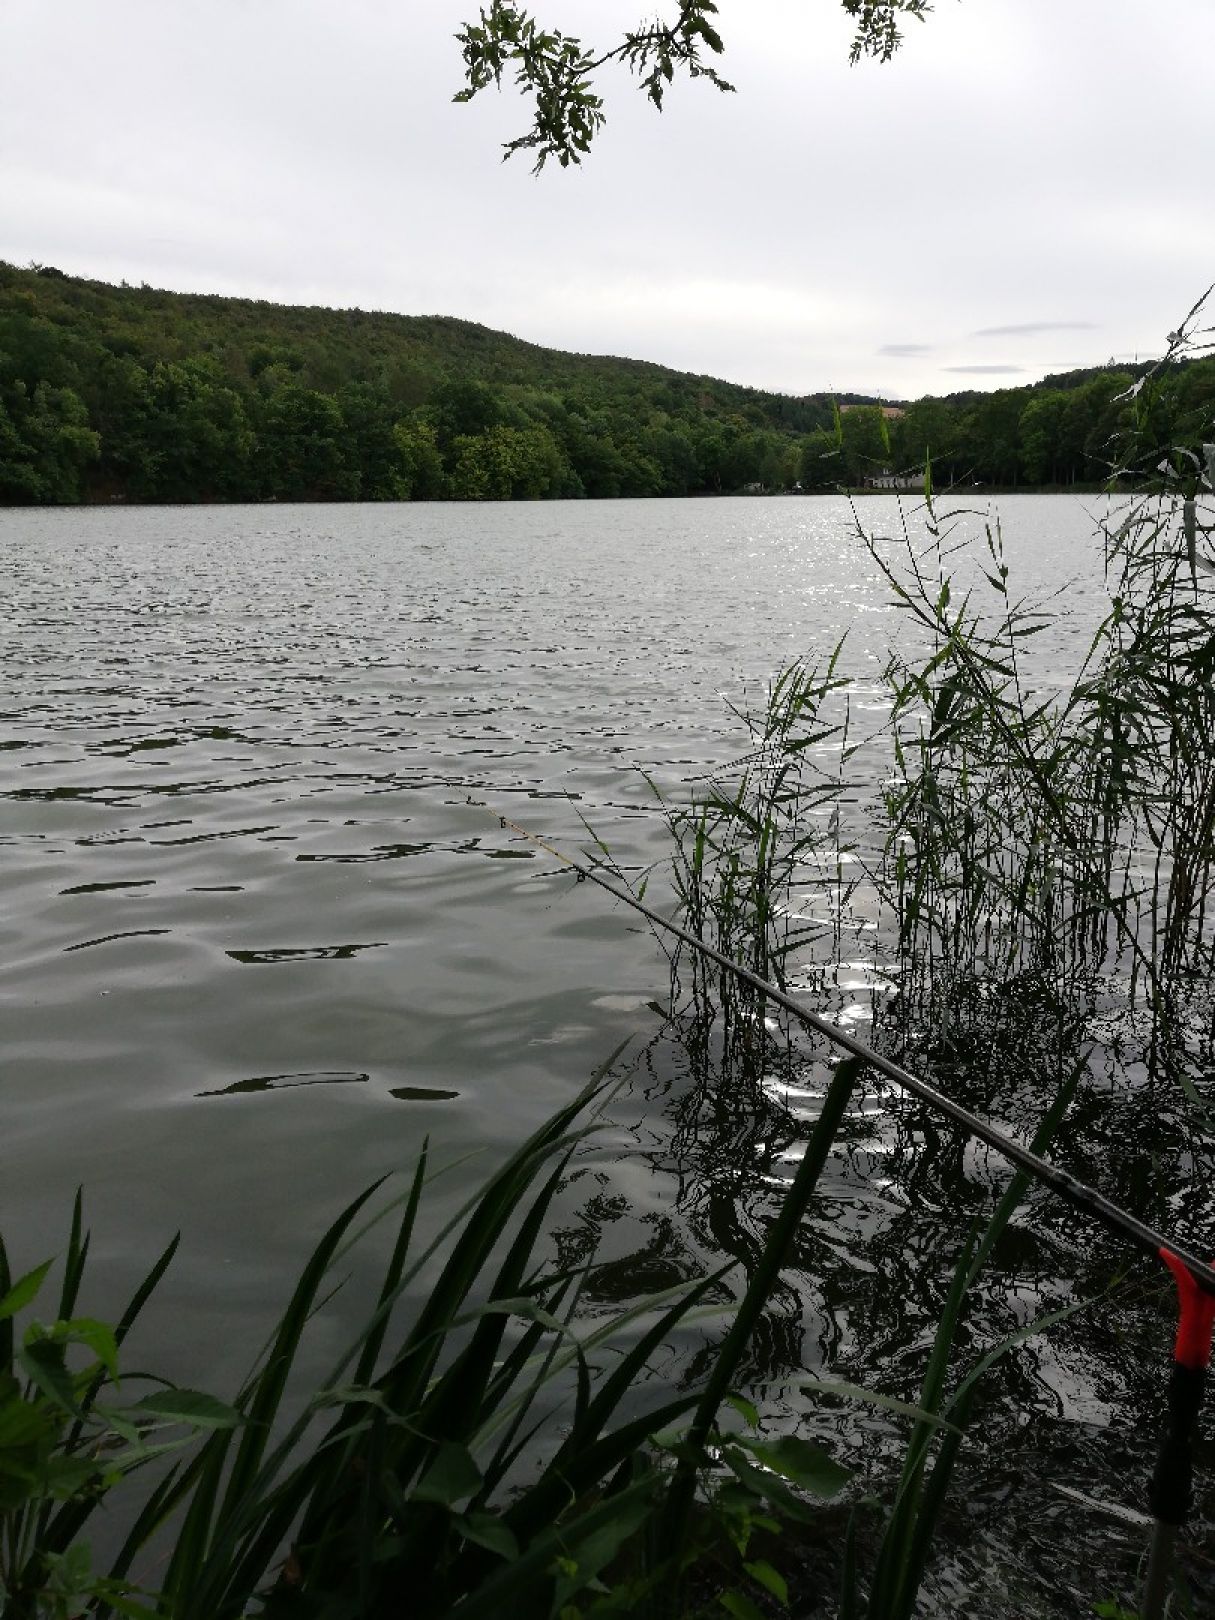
(555, 69)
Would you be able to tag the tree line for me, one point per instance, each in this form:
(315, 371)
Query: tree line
(1056, 434)
(124, 393)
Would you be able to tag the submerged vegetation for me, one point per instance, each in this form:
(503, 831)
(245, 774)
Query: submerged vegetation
(130, 393)
(1030, 903)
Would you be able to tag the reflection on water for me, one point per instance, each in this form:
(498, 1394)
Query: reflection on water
(285, 1082)
(307, 953)
(1068, 1418)
(281, 738)
(106, 939)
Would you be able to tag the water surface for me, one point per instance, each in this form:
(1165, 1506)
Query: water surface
(262, 932)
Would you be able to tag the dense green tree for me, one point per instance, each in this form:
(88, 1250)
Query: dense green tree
(420, 466)
(927, 431)
(370, 444)
(675, 452)
(822, 465)
(46, 444)
(989, 437)
(1108, 415)
(464, 408)
(193, 440)
(709, 439)
(605, 469)
(301, 448)
(123, 392)
(864, 443)
(21, 478)
(507, 463)
(1038, 430)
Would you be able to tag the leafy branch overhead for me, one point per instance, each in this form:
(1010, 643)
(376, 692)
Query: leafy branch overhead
(556, 70)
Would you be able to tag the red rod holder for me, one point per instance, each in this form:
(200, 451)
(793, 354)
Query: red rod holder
(1195, 1317)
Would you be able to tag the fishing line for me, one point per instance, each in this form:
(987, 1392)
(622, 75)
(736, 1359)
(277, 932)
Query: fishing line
(1073, 1191)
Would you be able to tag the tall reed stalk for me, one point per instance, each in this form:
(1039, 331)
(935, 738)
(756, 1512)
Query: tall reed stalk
(1045, 844)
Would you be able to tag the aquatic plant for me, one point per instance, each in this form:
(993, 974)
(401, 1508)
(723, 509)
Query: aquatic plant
(432, 1469)
(1037, 868)
(69, 1434)
(739, 849)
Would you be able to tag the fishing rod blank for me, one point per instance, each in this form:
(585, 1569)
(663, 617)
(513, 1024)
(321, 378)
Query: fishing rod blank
(1171, 1487)
(1068, 1187)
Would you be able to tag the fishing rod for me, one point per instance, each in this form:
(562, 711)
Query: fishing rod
(1170, 1493)
(1068, 1187)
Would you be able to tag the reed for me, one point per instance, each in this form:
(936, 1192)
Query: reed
(1039, 859)
(426, 1464)
(1033, 847)
(742, 847)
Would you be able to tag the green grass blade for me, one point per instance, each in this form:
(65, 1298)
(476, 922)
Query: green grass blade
(73, 1265)
(374, 1340)
(514, 1587)
(6, 1323)
(271, 1381)
(764, 1280)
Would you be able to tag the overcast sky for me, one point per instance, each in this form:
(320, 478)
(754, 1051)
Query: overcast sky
(1028, 186)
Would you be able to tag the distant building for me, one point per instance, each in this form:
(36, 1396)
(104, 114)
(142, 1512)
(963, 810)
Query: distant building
(892, 413)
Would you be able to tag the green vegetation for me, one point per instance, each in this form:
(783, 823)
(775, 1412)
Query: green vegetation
(1061, 432)
(558, 71)
(491, 1440)
(437, 1468)
(125, 393)
(1036, 878)
(432, 1469)
(1055, 836)
(129, 393)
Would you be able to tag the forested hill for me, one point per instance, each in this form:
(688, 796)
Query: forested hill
(157, 396)
(131, 393)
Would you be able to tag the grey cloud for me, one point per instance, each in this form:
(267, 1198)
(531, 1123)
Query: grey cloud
(1036, 328)
(221, 177)
(986, 371)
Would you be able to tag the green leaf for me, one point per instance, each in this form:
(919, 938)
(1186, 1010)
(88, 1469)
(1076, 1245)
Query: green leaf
(190, 1406)
(800, 1462)
(22, 1423)
(745, 1408)
(23, 1291)
(488, 1531)
(452, 1476)
(770, 1579)
(93, 1335)
(873, 1397)
(527, 1309)
(43, 1364)
(118, 1597)
(65, 1477)
(770, 1487)
(739, 1605)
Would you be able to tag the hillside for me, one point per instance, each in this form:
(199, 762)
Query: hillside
(131, 393)
(198, 397)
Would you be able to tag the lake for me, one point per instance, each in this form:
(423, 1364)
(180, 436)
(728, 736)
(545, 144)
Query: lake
(262, 932)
